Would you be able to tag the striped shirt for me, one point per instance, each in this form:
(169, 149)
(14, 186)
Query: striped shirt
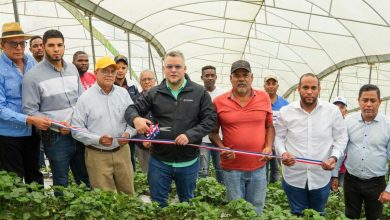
(50, 92)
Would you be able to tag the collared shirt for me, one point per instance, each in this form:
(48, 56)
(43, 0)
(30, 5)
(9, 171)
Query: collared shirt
(12, 120)
(317, 135)
(51, 92)
(277, 105)
(368, 147)
(244, 127)
(101, 114)
(175, 93)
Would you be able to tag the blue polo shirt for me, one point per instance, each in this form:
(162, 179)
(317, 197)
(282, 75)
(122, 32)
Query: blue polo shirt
(279, 103)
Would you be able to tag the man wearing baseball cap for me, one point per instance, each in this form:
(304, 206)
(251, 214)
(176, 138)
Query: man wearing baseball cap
(271, 86)
(245, 118)
(341, 102)
(101, 110)
(19, 143)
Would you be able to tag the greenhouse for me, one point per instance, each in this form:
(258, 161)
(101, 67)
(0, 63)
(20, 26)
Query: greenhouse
(344, 43)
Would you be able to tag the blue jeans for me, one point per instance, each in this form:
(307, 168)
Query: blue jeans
(64, 151)
(248, 185)
(160, 176)
(301, 199)
(205, 162)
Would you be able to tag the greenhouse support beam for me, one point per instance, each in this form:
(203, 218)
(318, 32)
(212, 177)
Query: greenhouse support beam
(383, 58)
(16, 12)
(129, 54)
(92, 42)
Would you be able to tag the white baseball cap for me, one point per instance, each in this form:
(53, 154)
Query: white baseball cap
(340, 99)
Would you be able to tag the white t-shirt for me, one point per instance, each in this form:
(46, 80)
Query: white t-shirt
(216, 92)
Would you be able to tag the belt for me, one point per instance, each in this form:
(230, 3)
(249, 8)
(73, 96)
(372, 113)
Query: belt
(365, 180)
(102, 150)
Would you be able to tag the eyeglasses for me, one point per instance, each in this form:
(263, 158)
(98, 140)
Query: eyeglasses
(107, 72)
(169, 66)
(147, 79)
(14, 44)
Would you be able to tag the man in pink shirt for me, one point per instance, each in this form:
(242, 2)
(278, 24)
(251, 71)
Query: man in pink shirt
(80, 60)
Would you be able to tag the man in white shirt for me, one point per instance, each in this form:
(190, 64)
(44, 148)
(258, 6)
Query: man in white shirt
(209, 77)
(311, 129)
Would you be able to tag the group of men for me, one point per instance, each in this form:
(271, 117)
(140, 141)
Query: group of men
(86, 125)
(42, 95)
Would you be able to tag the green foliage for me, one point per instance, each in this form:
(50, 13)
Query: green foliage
(241, 209)
(141, 186)
(210, 191)
(31, 201)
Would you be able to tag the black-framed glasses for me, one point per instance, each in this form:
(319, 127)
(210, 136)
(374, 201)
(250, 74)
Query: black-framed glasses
(15, 44)
(170, 66)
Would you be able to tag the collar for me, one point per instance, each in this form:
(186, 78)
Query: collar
(101, 91)
(180, 88)
(47, 63)
(297, 105)
(231, 94)
(376, 119)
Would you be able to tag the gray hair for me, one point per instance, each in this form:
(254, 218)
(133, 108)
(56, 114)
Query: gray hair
(146, 71)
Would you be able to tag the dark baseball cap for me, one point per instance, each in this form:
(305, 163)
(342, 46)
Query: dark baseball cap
(240, 64)
(121, 58)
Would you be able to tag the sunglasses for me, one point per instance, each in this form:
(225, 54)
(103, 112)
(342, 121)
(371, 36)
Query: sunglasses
(15, 44)
(169, 66)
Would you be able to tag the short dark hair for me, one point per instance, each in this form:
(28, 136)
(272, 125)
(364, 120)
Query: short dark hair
(75, 55)
(308, 74)
(35, 37)
(369, 87)
(52, 34)
(208, 67)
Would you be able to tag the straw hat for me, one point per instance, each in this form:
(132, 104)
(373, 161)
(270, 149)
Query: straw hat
(13, 29)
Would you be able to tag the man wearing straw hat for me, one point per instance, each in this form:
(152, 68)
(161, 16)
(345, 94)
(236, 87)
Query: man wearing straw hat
(19, 143)
(51, 89)
(312, 129)
(101, 110)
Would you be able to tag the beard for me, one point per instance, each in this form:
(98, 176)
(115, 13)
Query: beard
(53, 59)
(309, 103)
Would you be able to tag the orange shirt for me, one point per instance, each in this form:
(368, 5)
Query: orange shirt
(243, 128)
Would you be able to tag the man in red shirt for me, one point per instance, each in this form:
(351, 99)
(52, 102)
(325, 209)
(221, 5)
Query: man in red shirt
(245, 118)
(81, 61)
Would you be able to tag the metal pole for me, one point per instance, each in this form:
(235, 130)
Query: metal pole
(386, 107)
(92, 43)
(149, 56)
(334, 85)
(338, 83)
(369, 76)
(129, 54)
(16, 13)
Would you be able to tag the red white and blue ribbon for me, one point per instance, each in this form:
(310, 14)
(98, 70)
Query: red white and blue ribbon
(154, 130)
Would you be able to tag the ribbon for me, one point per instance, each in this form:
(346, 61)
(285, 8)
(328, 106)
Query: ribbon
(154, 130)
